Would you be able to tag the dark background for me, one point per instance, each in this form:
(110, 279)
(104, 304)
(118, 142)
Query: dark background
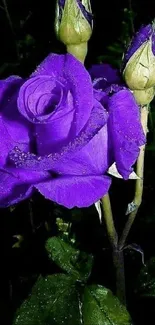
(29, 36)
(26, 37)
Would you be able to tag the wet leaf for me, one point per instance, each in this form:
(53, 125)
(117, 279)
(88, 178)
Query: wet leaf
(57, 300)
(101, 307)
(53, 301)
(69, 259)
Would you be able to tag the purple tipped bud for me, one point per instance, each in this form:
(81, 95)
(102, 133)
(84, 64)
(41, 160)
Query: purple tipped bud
(74, 21)
(139, 60)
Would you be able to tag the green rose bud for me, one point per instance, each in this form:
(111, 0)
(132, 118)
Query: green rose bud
(139, 61)
(145, 96)
(73, 25)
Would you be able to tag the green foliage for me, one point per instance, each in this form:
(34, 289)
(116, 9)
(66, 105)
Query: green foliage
(69, 259)
(100, 307)
(54, 300)
(65, 299)
(57, 300)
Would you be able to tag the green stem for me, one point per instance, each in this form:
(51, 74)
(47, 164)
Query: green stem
(117, 255)
(139, 182)
(108, 217)
(78, 50)
(118, 262)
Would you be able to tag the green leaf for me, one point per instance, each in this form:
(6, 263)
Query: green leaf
(69, 259)
(59, 300)
(146, 280)
(54, 301)
(100, 307)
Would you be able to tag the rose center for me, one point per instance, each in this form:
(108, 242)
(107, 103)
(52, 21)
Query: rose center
(47, 103)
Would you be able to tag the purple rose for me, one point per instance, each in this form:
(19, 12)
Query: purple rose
(59, 135)
(53, 135)
(125, 133)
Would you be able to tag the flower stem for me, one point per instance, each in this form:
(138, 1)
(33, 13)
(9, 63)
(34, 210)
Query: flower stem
(117, 255)
(139, 182)
(108, 217)
(118, 262)
(78, 50)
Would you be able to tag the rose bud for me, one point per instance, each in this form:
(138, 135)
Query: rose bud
(139, 60)
(73, 25)
(145, 96)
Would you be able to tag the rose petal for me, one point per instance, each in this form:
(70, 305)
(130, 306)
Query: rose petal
(51, 137)
(79, 84)
(52, 65)
(114, 172)
(71, 191)
(31, 161)
(104, 75)
(17, 185)
(125, 130)
(37, 98)
(13, 129)
(6, 143)
(45, 102)
(91, 159)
